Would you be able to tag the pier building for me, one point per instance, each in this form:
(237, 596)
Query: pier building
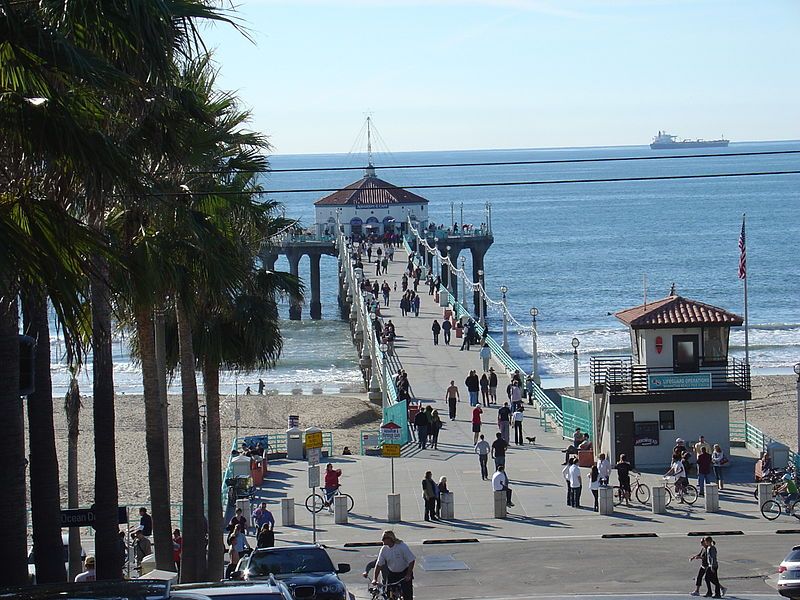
(677, 382)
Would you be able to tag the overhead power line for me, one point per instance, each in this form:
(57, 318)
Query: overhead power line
(503, 163)
(505, 183)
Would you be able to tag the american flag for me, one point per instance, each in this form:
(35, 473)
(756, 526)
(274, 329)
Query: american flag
(742, 254)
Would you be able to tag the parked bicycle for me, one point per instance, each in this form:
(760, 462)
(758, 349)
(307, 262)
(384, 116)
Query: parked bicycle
(316, 502)
(771, 509)
(387, 591)
(638, 489)
(685, 493)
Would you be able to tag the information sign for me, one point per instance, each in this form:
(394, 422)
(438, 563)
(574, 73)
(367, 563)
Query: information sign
(391, 433)
(391, 450)
(314, 440)
(313, 476)
(313, 455)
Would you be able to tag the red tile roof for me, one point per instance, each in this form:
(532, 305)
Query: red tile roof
(676, 311)
(370, 191)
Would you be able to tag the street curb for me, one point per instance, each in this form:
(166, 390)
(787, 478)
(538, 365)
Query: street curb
(713, 533)
(362, 544)
(453, 541)
(614, 536)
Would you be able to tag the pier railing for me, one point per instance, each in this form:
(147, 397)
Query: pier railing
(758, 441)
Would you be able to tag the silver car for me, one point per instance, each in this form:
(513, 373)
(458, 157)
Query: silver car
(789, 574)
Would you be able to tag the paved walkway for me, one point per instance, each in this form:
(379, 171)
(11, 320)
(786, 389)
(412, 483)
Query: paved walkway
(534, 470)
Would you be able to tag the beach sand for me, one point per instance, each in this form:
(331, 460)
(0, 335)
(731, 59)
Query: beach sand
(343, 415)
(773, 410)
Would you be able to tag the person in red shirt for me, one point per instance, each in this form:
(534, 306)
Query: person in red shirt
(177, 549)
(331, 484)
(703, 470)
(476, 423)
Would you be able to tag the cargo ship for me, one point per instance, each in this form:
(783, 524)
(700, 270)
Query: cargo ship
(665, 141)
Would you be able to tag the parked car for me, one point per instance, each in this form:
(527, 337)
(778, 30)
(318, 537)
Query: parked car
(139, 589)
(307, 570)
(65, 542)
(789, 574)
(236, 590)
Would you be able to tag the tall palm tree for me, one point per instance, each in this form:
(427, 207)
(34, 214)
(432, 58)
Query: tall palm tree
(72, 408)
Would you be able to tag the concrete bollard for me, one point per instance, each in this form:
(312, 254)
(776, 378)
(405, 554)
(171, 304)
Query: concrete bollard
(500, 508)
(340, 510)
(764, 492)
(605, 500)
(447, 510)
(394, 508)
(287, 511)
(712, 497)
(659, 500)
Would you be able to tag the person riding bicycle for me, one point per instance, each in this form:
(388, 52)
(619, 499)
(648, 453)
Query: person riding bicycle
(678, 470)
(331, 484)
(396, 563)
(788, 489)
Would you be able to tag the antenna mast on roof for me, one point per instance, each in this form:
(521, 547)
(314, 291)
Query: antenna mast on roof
(644, 286)
(369, 141)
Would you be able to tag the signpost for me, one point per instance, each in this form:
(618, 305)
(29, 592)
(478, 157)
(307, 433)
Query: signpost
(85, 517)
(391, 434)
(313, 483)
(313, 451)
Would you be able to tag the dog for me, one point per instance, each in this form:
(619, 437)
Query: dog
(532, 440)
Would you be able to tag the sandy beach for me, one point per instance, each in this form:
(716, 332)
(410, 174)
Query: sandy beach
(773, 410)
(343, 415)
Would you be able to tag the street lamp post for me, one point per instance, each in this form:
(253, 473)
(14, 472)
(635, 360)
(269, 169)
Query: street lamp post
(448, 268)
(204, 440)
(797, 372)
(503, 290)
(236, 407)
(463, 283)
(462, 217)
(384, 396)
(480, 298)
(534, 351)
(575, 343)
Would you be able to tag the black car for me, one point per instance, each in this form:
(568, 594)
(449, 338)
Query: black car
(306, 569)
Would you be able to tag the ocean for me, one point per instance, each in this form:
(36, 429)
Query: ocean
(578, 252)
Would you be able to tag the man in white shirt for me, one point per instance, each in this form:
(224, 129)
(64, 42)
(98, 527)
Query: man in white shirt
(572, 474)
(603, 469)
(396, 562)
(500, 483)
(89, 573)
(678, 470)
(482, 449)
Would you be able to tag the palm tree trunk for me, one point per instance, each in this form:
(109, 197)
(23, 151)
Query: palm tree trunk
(193, 566)
(13, 517)
(216, 520)
(154, 440)
(106, 492)
(45, 492)
(72, 408)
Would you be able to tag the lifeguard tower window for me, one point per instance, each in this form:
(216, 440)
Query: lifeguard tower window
(686, 358)
(666, 420)
(715, 345)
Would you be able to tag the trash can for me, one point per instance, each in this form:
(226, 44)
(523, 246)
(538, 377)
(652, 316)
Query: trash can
(779, 455)
(294, 443)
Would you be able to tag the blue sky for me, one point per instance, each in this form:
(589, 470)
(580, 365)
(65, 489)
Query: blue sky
(448, 74)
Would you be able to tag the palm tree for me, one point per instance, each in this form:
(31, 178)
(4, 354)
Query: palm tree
(72, 408)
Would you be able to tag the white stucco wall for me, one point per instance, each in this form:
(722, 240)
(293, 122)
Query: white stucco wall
(651, 356)
(327, 214)
(692, 419)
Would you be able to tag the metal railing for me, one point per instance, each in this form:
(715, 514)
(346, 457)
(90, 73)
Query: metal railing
(758, 441)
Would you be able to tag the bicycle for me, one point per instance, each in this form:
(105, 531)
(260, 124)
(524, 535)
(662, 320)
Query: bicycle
(387, 591)
(316, 502)
(771, 509)
(638, 489)
(688, 494)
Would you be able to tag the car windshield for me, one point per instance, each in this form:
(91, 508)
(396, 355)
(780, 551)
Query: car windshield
(285, 562)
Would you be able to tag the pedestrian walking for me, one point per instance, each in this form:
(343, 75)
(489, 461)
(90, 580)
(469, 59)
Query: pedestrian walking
(429, 496)
(517, 417)
(436, 329)
(503, 421)
(260, 387)
(436, 427)
(712, 572)
(702, 556)
(482, 449)
(718, 460)
(473, 387)
(499, 447)
(594, 485)
(485, 354)
(415, 304)
(465, 338)
(572, 475)
(484, 385)
(476, 423)
(421, 423)
(515, 395)
(492, 385)
(446, 327)
(603, 468)
(451, 395)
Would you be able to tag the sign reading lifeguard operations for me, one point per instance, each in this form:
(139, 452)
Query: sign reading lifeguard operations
(314, 439)
(391, 450)
(679, 381)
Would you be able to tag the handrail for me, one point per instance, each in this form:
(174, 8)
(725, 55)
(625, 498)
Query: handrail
(758, 441)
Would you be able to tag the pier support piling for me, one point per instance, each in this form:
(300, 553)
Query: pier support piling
(316, 304)
(295, 307)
